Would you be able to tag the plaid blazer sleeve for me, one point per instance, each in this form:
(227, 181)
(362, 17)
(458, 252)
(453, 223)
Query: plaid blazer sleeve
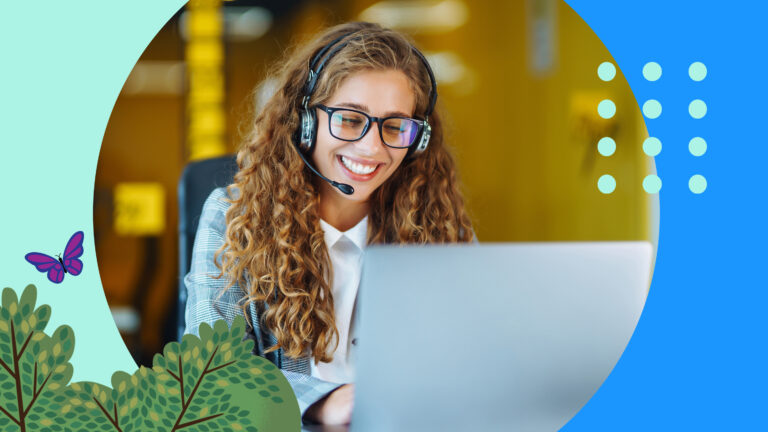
(206, 303)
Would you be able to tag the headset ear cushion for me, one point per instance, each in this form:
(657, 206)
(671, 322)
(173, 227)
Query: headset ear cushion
(412, 149)
(421, 142)
(308, 131)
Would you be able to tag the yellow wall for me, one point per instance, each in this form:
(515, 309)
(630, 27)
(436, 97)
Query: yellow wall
(530, 171)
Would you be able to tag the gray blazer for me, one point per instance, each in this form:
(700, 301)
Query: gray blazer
(204, 304)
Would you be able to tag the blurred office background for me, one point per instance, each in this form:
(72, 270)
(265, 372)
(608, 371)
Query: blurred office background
(518, 87)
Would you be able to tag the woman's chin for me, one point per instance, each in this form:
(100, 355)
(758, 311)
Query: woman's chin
(361, 192)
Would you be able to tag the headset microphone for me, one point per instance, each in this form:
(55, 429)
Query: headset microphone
(343, 187)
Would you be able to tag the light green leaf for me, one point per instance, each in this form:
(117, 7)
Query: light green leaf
(9, 297)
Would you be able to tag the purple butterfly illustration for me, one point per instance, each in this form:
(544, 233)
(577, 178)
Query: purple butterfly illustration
(57, 267)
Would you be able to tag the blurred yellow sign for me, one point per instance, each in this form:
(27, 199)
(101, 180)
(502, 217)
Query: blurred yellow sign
(139, 209)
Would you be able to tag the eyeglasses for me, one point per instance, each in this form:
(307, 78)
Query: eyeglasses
(351, 125)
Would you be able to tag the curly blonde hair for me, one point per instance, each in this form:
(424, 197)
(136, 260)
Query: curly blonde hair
(274, 246)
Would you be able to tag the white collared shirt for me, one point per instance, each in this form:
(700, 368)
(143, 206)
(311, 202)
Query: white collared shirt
(346, 252)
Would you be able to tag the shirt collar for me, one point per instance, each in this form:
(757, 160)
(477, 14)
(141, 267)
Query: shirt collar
(357, 234)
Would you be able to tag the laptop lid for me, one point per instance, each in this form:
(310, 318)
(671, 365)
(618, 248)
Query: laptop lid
(491, 337)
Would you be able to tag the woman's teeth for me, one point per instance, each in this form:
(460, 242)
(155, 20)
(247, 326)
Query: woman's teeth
(358, 168)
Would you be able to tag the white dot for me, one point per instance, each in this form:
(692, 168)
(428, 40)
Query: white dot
(606, 146)
(652, 108)
(606, 71)
(697, 71)
(697, 146)
(606, 109)
(697, 109)
(652, 71)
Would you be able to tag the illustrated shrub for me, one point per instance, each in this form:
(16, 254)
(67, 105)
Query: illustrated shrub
(206, 383)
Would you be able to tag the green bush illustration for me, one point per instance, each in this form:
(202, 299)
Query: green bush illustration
(32, 364)
(210, 383)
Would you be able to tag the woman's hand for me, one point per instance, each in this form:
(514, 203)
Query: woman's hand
(334, 409)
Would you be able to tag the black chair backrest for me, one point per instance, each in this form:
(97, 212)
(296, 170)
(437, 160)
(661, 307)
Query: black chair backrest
(197, 181)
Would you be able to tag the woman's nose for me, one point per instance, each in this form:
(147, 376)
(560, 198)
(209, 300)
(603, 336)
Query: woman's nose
(371, 141)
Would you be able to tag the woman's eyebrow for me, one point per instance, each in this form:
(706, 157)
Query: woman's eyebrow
(367, 110)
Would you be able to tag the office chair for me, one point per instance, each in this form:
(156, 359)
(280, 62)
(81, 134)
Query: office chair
(197, 181)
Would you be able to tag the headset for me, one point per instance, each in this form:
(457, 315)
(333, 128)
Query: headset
(304, 139)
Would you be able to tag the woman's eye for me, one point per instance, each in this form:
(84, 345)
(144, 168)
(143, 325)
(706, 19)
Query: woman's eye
(396, 127)
(351, 121)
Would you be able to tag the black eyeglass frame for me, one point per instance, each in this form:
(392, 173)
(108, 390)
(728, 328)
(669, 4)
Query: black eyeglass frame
(371, 119)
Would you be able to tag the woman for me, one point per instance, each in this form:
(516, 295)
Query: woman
(282, 245)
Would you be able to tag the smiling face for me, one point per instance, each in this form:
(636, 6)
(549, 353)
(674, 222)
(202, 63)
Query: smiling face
(367, 163)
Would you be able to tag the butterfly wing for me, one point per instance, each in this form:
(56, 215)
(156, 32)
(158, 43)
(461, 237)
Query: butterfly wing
(74, 247)
(72, 252)
(56, 273)
(73, 266)
(43, 263)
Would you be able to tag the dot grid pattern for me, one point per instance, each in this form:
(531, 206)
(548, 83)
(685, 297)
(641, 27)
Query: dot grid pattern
(606, 146)
(697, 108)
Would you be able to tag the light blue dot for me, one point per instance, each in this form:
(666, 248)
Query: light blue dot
(652, 184)
(652, 71)
(606, 71)
(697, 71)
(606, 108)
(697, 108)
(606, 146)
(652, 109)
(697, 146)
(606, 183)
(652, 146)
(697, 184)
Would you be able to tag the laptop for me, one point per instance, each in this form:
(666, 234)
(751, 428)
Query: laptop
(491, 337)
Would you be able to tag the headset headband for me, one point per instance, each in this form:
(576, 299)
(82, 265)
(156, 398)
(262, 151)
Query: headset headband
(314, 74)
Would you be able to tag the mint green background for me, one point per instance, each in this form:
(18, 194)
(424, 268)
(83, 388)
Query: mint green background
(63, 65)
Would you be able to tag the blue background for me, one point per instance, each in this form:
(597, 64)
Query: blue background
(697, 360)
(698, 357)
